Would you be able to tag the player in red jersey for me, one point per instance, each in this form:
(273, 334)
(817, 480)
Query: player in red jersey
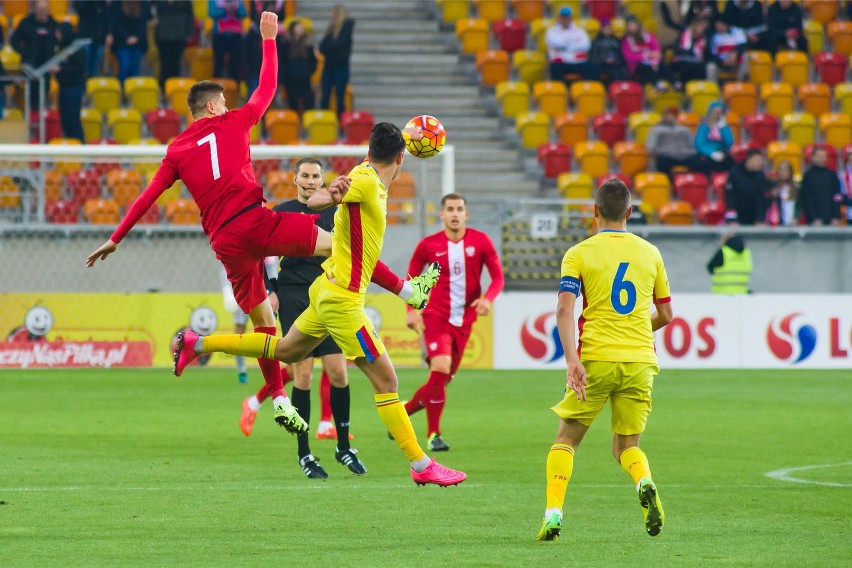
(455, 303)
(212, 158)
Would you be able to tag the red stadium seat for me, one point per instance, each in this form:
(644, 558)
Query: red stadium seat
(831, 67)
(627, 96)
(555, 158)
(711, 213)
(628, 181)
(83, 185)
(762, 128)
(151, 216)
(830, 151)
(717, 186)
(691, 188)
(344, 164)
(163, 124)
(510, 34)
(739, 149)
(103, 167)
(62, 212)
(610, 127)
(357, 125)
(602, 10)
(52, 126)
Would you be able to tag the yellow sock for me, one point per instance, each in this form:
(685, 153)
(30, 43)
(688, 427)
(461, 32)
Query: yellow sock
(255, 345)
(635, 463)
(396, 419)
(560, 464)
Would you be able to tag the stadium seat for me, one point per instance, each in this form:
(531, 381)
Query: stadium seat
(618, 26)
(403, 187)
(711, 213)
(163, 124)
(815, 98)
(528, 10)
(830, 152)
(631, 157)
(320, 126)
(602, 10)
(759, 67)
(199, 61)
(640, 123)
(593, 157)
(790, 151)
(356, 125)
(493, 67)
(83, 185)
(151, 216)
(473, 35)
(691, 188)
(62, 212)
(124, 185)
(761, 127)
(822, 11)
(741, 98)
(533, 128)
(642, 9)
(690, 120)
(575, 186)
(490, 10)
(531, 66)
(831, 67)
(793, 67)
(143, 93)
(626, 96)
(103, 167)
(660, 100)
(13, 115)
(733, 121)
(101, 211)
(66, 167)
(282, 126)
(511, 35)
(572, 127)
(10, 59)
(182, 212)
(280, 185)
(176, 90)
(10, 193)
(800, 127)
(718, 181)
(53, 183)
(52, 124)
(840, 35)
(654, 190)
(453, 10)
(231, 93)
(843, 97)
(592, 26)
(344, 164)
(628, 181)
(589, 97)
(538, 29)
(701, 94)
(92, 121)
(552, 97)
(514, 98)
(610, 128)
(777, 98)
(739, 149)
(104, 93)
(815, 35)
(836, 129)
(676, 213)
(126, 124)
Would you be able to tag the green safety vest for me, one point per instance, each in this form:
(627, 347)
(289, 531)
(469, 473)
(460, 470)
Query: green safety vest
(734, 274)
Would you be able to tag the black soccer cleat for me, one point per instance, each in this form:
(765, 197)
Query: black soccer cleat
(310, 465)
(350, 459)
(437, 444)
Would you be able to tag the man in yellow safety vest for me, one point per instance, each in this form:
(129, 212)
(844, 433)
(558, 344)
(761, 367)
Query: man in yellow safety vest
(731, 266)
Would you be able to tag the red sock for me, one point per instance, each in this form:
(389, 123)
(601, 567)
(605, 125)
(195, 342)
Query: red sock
(325, 398)
(385, 277)
(271, 369)
(285, 375)
(263, 393)
(436, 397)
(418, 399)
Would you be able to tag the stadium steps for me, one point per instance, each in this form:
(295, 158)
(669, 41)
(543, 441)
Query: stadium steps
(529, 261)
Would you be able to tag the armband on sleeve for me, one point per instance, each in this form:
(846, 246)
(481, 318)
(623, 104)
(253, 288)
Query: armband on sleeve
(569, 284)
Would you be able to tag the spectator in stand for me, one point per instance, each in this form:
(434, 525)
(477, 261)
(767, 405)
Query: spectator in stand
(671, 144)
(671, 20)
(820, 195)
(707, 9)
(336, 47)
(128, 35)
(747, 15)
(258, 7)
(174, 23)
(298, 61)
(93, 24)
(2, 83)
(785, 27)
(688, 62)
(606, 56)
(746, 191)
(568, 48)
(726, 48)
(781, 203)
(846, 187)
(641, 52)
(35, 40)
(227, 36)
(714, 139)
(71, 76)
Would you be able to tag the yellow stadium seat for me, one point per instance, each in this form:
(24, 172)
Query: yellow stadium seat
(654, 190)
(642, 9)
(836, 129)
(793, 67)
(800, 127)
(199, 61)
(575, 185)
(143, 93)
(840, 34)
(572, 127)
(13, 114)
(493, 66)
(552, 97)
(531, 66)
(92, 121)
(676, 213)
(176, 90)
(16, 8)
(777, 98)
(589, 97)
(534, 128)
(104, 93)
(101, 211)
(650, 25)
(490, 10)
(701, 94)
(321, 126)
(741, 98)
(778, 151)
(528, 10)
(65, 167)
(10, 59)
(631, 157)
(514, 98)
(10, 193)
(143, 142)
(618, 25)
(759, 67)
(538, 29)
(126, 124)
(453, 10)
(815, 98)
(661, 100)
(640, 123)
(822, 11)
(593, 157)
(591, 25)
(815, 35)
(282, 126)
(473, 35)
(843, 97)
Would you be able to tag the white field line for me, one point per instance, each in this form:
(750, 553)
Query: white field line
(784, 474)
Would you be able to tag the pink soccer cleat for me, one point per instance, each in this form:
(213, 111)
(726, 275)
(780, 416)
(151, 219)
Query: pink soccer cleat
(185, 350)
(247, 418)
(438, 475)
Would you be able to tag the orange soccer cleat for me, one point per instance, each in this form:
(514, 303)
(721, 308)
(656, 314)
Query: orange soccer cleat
(330, 433)
(247, 418)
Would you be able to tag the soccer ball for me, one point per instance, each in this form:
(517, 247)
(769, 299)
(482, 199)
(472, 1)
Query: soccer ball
(433, 139)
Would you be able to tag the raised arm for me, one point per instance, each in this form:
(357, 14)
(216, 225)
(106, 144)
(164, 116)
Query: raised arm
(267, 84)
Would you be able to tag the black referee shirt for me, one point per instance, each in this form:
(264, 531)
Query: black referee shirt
(302, 271)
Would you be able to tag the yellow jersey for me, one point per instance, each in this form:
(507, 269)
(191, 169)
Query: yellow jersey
(620, 276)
(359, 230)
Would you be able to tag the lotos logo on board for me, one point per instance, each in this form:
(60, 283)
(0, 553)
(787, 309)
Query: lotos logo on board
(540, 338)
(787, 344)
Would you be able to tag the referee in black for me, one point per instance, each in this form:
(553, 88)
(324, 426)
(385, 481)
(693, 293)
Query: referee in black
(290, 292)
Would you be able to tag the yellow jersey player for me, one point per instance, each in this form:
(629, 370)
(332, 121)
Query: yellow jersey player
(337, 299)
(620, 276)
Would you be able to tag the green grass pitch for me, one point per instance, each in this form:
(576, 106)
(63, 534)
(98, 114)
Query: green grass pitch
(135, 467)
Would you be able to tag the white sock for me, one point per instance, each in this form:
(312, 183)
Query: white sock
(324, 425)
(241, 364)
(198, 348)
(406, 291)
(421, 464)
(548, 512)
(253, 403)
(282, 400)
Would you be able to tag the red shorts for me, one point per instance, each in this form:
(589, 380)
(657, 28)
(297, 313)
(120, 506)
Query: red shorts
(443, 338)
(242, 244)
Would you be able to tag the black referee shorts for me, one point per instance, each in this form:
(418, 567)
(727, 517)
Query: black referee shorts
(292, 301)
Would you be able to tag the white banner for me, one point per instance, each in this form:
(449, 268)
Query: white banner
(752, 332)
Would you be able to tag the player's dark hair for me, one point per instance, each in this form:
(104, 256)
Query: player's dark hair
(613, 200)
(386, 142)
(452, 196)
(200, 94)
(303, 161)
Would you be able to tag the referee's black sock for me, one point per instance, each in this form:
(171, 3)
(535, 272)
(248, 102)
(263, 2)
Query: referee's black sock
(302, 401)
(339, 399)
